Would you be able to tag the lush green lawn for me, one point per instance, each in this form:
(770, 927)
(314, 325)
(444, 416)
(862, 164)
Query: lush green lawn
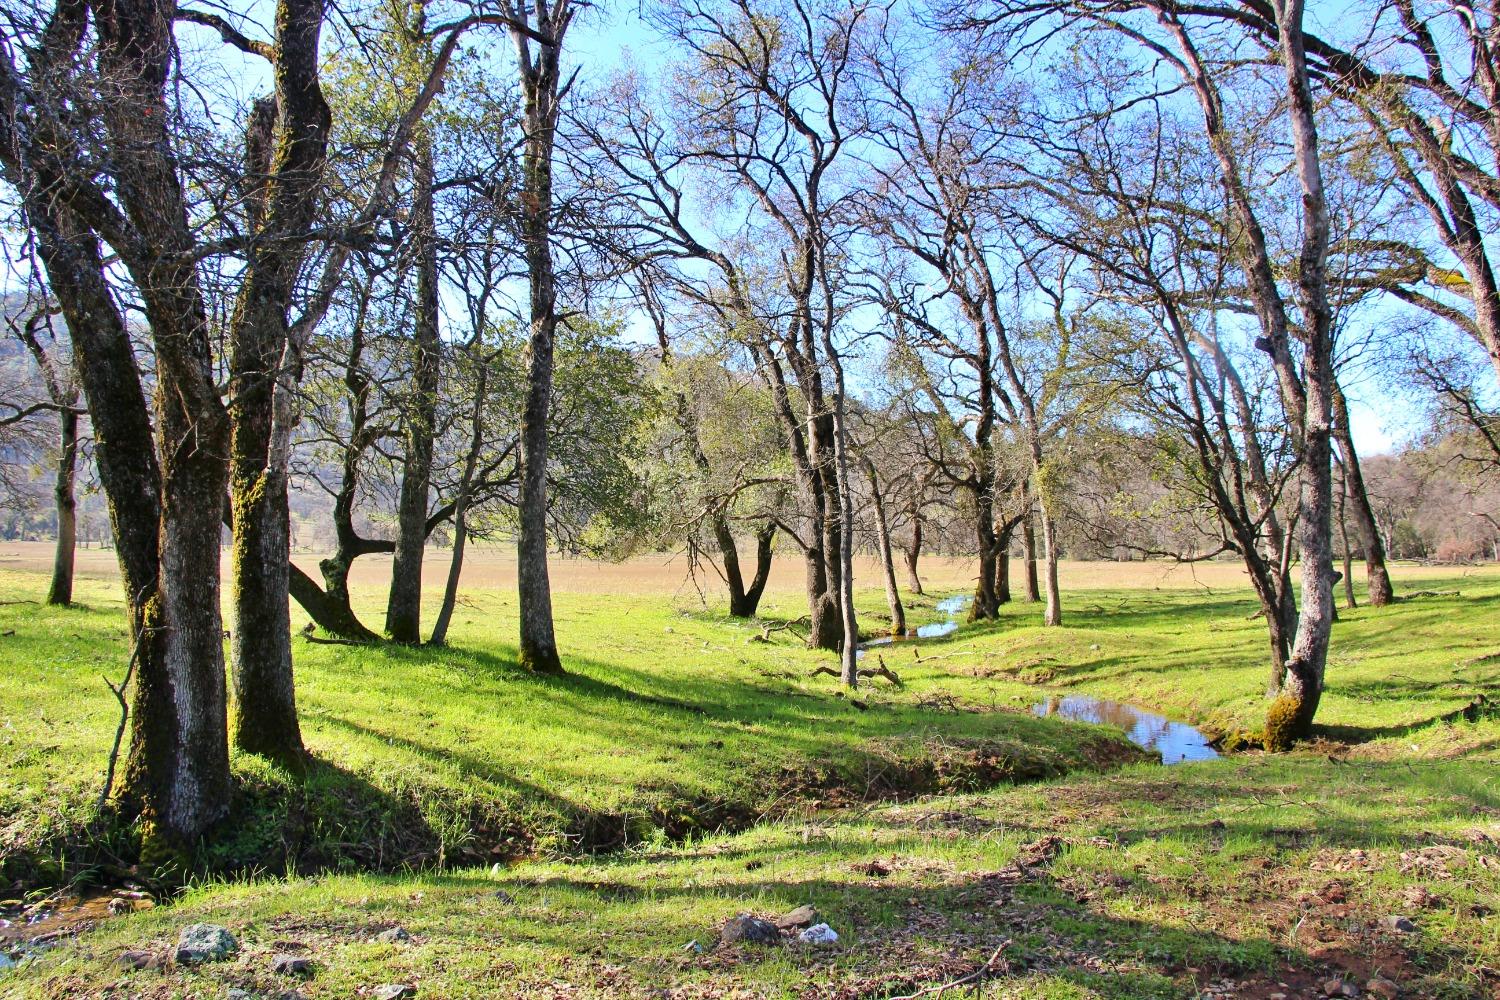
(1251, 870)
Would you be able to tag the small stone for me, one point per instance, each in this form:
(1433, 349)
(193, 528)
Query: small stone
(750, 929)
(394, 991)
(1383, 988)
(1349, 990)
(204, 943)
(291, 965)
(395, 935)
(504, 897)
(819, 934)
(1333, 987)
(1400, 924)
(802, 916)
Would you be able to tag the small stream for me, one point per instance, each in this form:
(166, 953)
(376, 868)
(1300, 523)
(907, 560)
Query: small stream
(1177, 742)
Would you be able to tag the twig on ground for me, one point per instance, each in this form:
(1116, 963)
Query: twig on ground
(977, 976)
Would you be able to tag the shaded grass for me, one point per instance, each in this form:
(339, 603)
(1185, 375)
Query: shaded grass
(1252, 870)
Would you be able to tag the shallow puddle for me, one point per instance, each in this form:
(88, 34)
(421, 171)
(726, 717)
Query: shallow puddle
(1175, 741)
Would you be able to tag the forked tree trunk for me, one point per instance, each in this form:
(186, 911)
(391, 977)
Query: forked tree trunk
(403, 613)
(744, 600)
(60, 591)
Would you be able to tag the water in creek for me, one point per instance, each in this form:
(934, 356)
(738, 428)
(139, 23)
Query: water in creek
(1176, 741)
(950, 606)
(28, 931)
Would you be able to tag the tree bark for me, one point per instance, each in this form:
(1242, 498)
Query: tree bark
(1348, 574)
(986, 604)
(403, 613)
(539, 84)
(285, 151)
(1052, 616)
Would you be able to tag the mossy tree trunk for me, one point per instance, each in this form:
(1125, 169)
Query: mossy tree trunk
(286, 150)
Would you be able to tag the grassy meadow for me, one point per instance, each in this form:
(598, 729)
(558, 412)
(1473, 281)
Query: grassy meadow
(585, 836)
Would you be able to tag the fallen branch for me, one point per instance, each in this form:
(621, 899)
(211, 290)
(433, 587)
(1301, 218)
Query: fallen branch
(882, 671)
(815, 671)
(977, 976)
(790, 626)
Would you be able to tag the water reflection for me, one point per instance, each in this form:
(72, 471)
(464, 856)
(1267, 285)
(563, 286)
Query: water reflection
(1176, 741)
(950, 606)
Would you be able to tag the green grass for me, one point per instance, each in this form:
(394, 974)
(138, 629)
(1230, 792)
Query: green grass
(676, 725)
(1254, 870)
(1165, 881)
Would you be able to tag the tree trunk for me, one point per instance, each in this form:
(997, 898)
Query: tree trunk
(764, 552)
(286, 142)
(403, 614)
(729, 559)
(985, 605)
(1028, 537)
(60, 591)
(461, 508)
(1002, 575)
(744, 599)
(1348, 574)
(912, 553)
(1290, 715)
(887, 561)
(539, 79)
(1053, 613)
(1377, 578)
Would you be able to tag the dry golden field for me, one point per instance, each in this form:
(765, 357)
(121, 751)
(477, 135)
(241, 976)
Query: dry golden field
(667, 575)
